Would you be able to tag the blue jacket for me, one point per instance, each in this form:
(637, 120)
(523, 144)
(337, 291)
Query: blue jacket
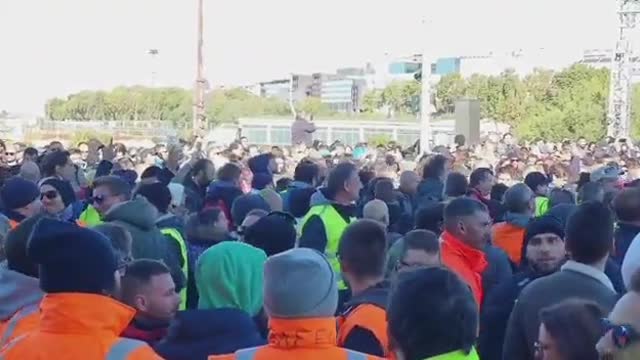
(196, 334)
(286, 195)
(430, 191)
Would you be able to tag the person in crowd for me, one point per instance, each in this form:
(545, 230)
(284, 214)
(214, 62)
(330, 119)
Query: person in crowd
(302, 130)
(431, 188)
(20, 293)
(455, 186)
(150, 175)
(627, 209)
(432, 315)
(30, 155)
(58, 165)
(108, 191)
(178, 200)
(225, 190)
(245, 204)
(20, 200)
(138, 217)
(331, 212)
(147, 286)
(252, 217)
(362, 324)
(431, 218)
(539, 184)
(519, 202)
(376, 210)
(481, 181)
(407, 191)
(30, 171)
(591, 191)
(417, 249)
(543, 254)
(272, 198)
(203, 230)
(399, 222)
(273, 233)
(300, 299)
(467, 228)
(300, 204)
(80, 318)
(120, 240)
(588, 240)
(607, 176)
(569, 330)
(196, 183)
(621, 336)
(497, 192)
(561, 196)
(229, 277)
(59, 200)
(306, 176)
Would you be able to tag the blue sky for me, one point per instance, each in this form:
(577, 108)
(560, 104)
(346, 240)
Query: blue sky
(55, 47)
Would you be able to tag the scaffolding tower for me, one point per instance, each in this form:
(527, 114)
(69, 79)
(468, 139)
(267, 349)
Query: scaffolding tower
(619, 113)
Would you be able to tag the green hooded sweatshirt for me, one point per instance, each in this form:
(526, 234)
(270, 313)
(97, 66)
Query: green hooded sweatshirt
(230, 275)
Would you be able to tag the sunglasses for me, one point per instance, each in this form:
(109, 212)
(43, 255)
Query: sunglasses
(622, 335)
(98, 199)
(51, 194)
(10, 153)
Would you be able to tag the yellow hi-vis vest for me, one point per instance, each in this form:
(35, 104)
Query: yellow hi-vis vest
(90, 217)
(175, 234)
(334, 226)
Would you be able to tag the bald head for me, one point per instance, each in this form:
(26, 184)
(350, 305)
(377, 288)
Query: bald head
(409, 181)
(376, 210)
(30, 171)
(519, 199)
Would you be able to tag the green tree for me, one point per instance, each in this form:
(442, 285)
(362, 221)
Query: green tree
(449, 89)
(313, 106)
(373, 101)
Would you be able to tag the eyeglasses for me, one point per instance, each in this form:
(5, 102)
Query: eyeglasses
(622, 335)
(51, 194)
(99, 199)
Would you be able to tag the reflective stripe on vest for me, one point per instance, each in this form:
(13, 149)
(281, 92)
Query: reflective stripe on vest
(334, 226)
(250, 354)
(15, 319)
(123, 348)
(175, 234)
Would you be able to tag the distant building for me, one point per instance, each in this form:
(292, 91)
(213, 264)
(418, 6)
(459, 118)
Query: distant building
(280, 88)
(342, 94)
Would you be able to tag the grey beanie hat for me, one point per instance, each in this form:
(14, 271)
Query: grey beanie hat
(299, 283)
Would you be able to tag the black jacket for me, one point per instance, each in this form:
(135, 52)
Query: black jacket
(194, 195)
(498, 270)
(430, 191)
(495, 313)
(522, 331)
(196, 334)
(360, 338)
(623, 236)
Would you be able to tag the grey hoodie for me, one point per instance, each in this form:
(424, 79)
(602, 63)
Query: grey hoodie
(16, 292)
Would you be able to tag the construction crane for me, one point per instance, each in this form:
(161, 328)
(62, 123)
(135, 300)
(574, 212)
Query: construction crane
(619, 113)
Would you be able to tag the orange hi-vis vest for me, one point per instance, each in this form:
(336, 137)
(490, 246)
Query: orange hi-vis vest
(509, 238)
(23, 321)
(295, 339)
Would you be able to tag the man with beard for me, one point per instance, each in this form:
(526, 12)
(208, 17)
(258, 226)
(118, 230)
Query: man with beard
(543, 254)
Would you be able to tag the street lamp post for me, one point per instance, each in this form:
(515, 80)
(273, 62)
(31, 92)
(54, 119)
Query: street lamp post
(199, 117)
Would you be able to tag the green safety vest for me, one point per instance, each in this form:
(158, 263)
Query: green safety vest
(334, 226)
(90, 217)
(175, 234)
(542, 205)
(457, 355)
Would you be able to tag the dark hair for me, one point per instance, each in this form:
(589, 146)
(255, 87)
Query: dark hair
(229, 172)
(430, 218)
(115, 184)
(53, 159)
(283, 184)
(575, 327)
(497, 192)
(200, 166)
(460, 207)
(151, 171)
(536, 179)
(456, 185)
(138, 273)
(591, 191)
(366, 175)
(589, 232)
(120, 237)
(561, 196)
(306, 171)
(435, 167)
(31, 152)
(479, 175)
(338, 176)
(363, 246)
(384, 190)
(199, 224)
(626, 204)
(431, 312)
(424, 240)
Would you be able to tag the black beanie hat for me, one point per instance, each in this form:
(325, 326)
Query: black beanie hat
(274, 233)
(542, 225)
(15, 247)
(18, 193)
(63, 188)
(72, 258)
(244, 204)
(158, 195)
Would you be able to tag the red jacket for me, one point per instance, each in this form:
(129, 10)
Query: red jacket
(466, 261)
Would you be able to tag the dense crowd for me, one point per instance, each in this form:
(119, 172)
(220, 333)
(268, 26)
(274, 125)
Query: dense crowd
(503, 250)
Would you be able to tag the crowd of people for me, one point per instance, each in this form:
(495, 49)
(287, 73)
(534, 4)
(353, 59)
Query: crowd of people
(496, 251)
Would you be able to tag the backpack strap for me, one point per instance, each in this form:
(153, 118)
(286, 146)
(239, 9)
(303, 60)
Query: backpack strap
(123, 348)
